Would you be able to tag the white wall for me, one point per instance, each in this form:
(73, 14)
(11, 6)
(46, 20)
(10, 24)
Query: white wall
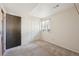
(64, 30)
(30, 28)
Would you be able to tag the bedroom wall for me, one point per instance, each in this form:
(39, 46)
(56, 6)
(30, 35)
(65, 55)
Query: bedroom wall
(30, 29)
(64, 29)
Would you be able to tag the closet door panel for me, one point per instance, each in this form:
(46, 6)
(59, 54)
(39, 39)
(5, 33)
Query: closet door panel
(13, 31)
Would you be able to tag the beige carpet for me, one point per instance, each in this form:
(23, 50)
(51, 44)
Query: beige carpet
(39, 48)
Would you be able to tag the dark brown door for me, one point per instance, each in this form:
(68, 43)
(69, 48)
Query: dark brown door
(13, 31)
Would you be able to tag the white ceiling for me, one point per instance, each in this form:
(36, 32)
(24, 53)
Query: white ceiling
(19, 8)
(44, 10)
(35, 9)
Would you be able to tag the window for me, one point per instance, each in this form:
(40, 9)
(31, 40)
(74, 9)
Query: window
(45, 25)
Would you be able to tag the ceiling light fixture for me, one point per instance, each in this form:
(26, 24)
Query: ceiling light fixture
(56, 6)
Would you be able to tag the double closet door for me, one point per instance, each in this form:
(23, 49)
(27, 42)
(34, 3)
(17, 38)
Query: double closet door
(13, 31)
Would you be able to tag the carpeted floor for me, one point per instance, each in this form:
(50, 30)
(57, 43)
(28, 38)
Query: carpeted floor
(39, 48)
